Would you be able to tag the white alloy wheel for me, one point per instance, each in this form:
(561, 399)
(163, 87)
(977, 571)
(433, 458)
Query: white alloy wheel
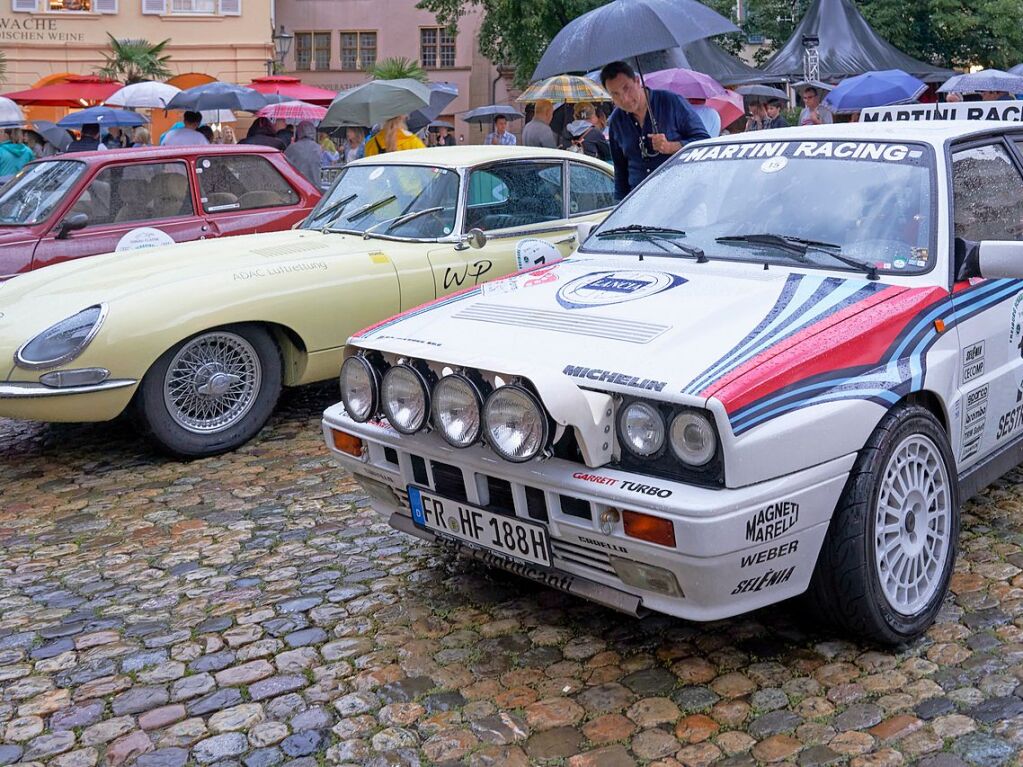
(913, 524)
(212, 382)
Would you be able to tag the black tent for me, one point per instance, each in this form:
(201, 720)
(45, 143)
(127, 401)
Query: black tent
(848, 46)
(707, 57)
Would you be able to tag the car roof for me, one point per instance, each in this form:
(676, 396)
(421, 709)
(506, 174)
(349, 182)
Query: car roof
(465, 156)
(160, 152)
(937, 133)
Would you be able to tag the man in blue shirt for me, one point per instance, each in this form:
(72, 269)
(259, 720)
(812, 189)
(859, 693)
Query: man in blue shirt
(646, 127)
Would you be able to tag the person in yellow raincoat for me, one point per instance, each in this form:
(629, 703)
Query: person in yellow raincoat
(394, 136)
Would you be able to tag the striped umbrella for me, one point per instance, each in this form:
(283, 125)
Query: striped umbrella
(569, 89)
(293, 111)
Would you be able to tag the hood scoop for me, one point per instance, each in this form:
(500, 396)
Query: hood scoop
(291, 249)
(629, 331)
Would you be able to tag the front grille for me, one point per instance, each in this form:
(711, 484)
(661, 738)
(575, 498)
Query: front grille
(448, 481)
(391, 455)
(614, 329)
(536, 504)
(501, 499)
(575, 507)
(582, 556)
(419, 471)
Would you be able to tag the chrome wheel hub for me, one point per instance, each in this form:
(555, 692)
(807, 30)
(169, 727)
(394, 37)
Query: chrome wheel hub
(212, 382)
(913, 523)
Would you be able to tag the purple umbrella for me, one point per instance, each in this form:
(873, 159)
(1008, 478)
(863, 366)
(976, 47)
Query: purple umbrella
(686, 83)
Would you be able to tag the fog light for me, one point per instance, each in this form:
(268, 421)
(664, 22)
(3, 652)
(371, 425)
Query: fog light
(649, 528)
(347, 443)
(62, 379)
(647, 577)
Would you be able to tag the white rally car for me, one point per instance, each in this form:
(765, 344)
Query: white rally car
(779, 366)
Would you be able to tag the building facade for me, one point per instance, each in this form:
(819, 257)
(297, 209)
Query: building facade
(337, 40)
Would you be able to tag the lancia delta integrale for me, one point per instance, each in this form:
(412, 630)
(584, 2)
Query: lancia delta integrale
(779, 366)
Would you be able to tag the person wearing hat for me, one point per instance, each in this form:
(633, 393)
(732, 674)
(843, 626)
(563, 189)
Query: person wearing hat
(775, 119)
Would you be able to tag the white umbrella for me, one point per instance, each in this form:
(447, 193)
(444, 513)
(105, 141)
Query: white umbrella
(211, 116)
(10, 112)
(147, 95)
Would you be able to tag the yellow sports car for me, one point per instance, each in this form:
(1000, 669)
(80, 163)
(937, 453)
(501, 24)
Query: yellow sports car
(197, 339)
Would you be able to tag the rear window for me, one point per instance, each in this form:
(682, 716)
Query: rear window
(242, 182)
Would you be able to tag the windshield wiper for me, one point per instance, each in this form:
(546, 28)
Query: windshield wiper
(369, 207)
(404, 218)
(655, 235)
(799, 246)
(335, 208)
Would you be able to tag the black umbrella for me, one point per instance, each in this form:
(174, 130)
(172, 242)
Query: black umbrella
(626, 28)
(219, 95)
(762, 92)
(436, 125)
(441, 94)
(487, 114)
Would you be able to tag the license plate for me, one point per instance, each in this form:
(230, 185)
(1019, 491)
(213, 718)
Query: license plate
(505, 535)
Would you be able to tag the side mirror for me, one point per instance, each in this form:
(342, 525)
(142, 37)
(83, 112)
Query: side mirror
(989, 259)
(583, 230)
(476, 238)
(70, 224)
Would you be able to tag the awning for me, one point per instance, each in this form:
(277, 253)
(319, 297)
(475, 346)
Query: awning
(293, 89)
(78, 91)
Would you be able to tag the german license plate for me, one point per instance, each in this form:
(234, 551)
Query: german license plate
(505, 535)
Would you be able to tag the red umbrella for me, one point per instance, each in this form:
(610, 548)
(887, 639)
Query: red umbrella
(78, 91)
(293, 111)
(292, 88)
(729, 106)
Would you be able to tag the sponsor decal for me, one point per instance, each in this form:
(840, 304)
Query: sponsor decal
(772, 521)
(409, 340)
(1013, 419)
(557, 580)
(767, 555)
(532, 278)
(974, 420)
(765, 581)
(974, 110)
(1016, 325)
(777, 153)
(307, 266)
(973, 361)
(532, 251)
(610, 288)
(604, 545)
(609, 376)
(142, 238)
(454, 277)
(624, 484)
(595, 478)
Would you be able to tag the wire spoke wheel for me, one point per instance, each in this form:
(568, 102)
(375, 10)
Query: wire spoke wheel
(912, 526)
(212, 382)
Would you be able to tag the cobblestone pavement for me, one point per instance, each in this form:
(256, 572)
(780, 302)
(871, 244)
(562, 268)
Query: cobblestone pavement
(250, 609)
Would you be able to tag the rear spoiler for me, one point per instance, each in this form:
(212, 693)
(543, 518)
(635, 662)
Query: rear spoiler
(1011, 111)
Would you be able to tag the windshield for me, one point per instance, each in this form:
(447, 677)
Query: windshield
(31, 196)
(867, 201)
(383, 197)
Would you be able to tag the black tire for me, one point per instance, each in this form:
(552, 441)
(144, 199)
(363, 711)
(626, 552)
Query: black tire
(162, 417)
(846, 589)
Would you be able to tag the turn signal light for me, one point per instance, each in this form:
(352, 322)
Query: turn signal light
(347, 443)
(648, 528)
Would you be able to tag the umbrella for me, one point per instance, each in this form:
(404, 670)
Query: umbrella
(874, 89)
(105, 116)
(59, 137)
(75, 92)
(686, 83)
(436, 125)
(985, 80)
(728, 105)
(211, 116)
(802, 84)
(10, 113)
(487, 114)
(147, 95)
(1016, 70)
(292, 89)
(293, 111)
(441, 94)
(218, 95)
(757, 92)
(568, 89)
(376, 101)
(625, 28)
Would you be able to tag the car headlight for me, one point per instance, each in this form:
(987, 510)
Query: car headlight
(62, 342)
(457, 409)
(692, 438)
(516, 424)
(641, 429)
(359, 382)
(405, 398)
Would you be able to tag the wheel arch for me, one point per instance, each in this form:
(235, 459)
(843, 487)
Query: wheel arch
(931, 402)
(293, 349)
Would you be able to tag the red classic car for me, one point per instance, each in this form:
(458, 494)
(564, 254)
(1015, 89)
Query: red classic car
(80, 204)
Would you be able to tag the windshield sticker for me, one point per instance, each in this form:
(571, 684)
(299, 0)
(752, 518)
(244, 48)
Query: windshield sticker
(610, 288)
(873, 151)
(533, 251)
(1011, 111)
(142, 238)
(774, 165)
(899, 263)
(375, 174)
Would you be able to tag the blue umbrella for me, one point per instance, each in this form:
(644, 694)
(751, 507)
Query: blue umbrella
(441, 94)
(874, 89)
(104, 116)
(487, 114)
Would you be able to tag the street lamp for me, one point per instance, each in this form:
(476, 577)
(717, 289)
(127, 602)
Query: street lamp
(282, 40)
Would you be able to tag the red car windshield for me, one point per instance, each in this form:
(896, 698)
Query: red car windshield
(31, 196)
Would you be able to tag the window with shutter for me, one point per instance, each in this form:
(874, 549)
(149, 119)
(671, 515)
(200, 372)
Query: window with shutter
(157, 7)
(25, 6)
(230, 7)
(104, 6)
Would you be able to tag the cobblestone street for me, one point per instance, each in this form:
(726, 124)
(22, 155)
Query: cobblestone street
(251, 609)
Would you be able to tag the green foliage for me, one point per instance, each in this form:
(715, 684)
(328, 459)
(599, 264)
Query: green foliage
(134, 60)
(398, 68)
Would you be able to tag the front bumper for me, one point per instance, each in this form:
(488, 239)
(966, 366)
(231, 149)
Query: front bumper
(736, 549)
(35, 402)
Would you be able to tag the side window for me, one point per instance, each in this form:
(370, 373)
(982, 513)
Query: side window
(241, 182)
(514, 194)
(140, 192)
(987, 194)
(589, 189)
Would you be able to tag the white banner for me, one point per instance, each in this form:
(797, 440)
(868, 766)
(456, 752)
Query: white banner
(1011, 111)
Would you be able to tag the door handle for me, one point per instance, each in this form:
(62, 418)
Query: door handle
(565, 241)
